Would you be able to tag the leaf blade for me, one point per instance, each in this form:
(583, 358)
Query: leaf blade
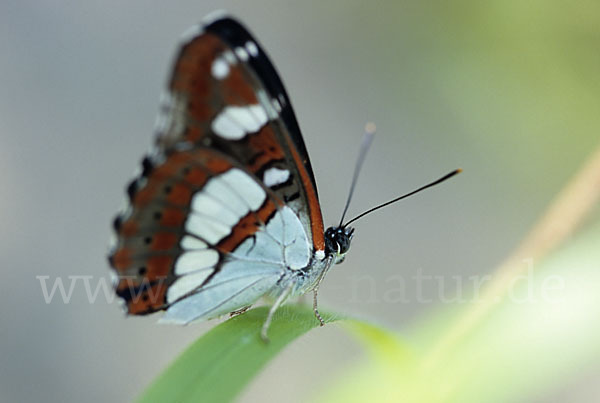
(218, 365)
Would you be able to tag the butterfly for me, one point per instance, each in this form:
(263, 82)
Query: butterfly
(225, 208)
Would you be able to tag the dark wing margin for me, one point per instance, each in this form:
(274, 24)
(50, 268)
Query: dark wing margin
(236, 35)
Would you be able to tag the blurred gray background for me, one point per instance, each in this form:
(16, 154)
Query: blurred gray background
(502, 90)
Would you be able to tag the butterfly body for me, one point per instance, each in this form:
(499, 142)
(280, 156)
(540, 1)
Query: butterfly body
(225, 209)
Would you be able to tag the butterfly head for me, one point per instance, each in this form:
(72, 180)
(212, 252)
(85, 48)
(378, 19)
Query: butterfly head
(337, 242)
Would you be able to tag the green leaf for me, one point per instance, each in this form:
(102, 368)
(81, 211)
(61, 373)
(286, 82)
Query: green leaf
(217, 366)
(377, 379)
(383, 345)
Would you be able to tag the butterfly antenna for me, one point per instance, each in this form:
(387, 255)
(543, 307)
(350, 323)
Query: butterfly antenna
(438, 181)
(364, 147)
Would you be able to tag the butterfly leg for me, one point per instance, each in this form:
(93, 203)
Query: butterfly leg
(315, 308)
(316, 291)
(280, 299)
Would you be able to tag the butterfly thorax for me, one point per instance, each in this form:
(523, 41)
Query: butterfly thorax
(337, 244)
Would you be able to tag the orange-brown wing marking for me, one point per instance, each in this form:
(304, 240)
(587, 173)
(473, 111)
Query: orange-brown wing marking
(195, 96)
(265, 149)
(316, 219)
(192, 76)
(192, 80)
(142, 297)
(248, 226)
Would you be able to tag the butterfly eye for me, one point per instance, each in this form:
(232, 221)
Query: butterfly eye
(343, 244)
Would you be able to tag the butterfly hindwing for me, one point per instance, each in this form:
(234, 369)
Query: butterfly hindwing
(186, 217)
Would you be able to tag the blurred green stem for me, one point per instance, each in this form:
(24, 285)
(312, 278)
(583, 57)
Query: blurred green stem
(566, 213)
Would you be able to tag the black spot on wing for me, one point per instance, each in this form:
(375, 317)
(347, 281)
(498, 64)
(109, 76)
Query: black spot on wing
(288, 182)
(147, 166)
(133, 292)
(132, 189)
(291, 197)
(118, 223)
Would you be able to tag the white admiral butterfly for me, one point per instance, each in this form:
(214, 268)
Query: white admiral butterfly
(225, 210)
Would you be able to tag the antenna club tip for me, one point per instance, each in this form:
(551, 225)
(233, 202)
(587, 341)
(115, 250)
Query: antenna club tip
(370, 128)
(458, 170)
